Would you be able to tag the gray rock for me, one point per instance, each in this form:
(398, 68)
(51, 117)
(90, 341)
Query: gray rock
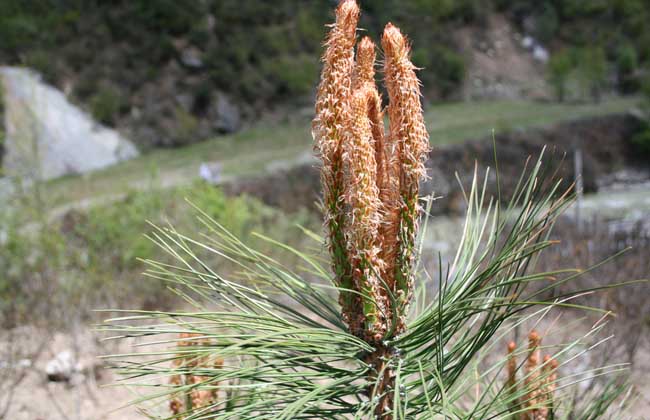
(48, 137)
(211, 22)
(228, 114)
(62, 368)
(6, 188)
(191, 57)
(211, 172)
(527, 42)
(185, 100)
(540, 54)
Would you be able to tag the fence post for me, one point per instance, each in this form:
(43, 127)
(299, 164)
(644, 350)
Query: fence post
(577, 162)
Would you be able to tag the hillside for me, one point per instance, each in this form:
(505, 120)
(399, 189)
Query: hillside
(168, 73)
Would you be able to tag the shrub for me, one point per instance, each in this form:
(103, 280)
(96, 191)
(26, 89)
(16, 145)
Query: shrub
(168, 16)
(2, 130)
(292, 75)
(442, 67)
(16, 31)
(641, 140)
(547, 23)
(632, 15)
(42, 62)
(186, 129)
(309, 30)
(592, 67)
(627, 62)
(441, 10)
(579, 8)
(106, 105)
(559, 69)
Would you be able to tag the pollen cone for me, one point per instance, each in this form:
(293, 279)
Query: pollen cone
(362, 198)
(408, 146)
(332, 108)
(533, 374)
(334, 91)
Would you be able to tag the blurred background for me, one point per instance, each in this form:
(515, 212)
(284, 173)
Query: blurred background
(113, 113)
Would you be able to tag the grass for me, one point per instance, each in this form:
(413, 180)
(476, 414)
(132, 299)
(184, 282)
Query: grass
(457, 122)
(266, 146)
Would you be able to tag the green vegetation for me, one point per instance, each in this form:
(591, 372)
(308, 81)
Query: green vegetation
(2, 127)
(601, 34)
(89, 258)
(627, 65)
(41, 61)
(446, 65)
(106, 104)
(559, 69)
(578, 73)
(592, 68)
(187, 127)
(139, 49)
(642, 138)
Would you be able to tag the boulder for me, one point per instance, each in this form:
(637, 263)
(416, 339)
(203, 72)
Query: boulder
(62, 367)
(540, 54)
(227, 118)
(47, 136)
(192, 57)
(528, 42)
(211, 172)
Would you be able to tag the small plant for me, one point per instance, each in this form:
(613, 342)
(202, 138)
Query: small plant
(559, 70)
(106, 105)
(2, 128)
(186, 126)
(366, 333)
(187, 366)
(592, 68)
(641, 139)
(539, 384)
(627, 63)
(43, 63)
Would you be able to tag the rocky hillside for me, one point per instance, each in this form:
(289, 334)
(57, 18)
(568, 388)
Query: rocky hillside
(167, 72)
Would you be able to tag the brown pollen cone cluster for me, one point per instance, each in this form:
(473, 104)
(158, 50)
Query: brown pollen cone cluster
(370, 175)
(195, 398)
(540, 382)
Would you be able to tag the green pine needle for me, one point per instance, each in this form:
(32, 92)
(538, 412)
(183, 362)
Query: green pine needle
(287, 353)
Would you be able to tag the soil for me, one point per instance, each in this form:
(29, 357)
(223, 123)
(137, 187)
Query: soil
(94, 396)
(89, 394)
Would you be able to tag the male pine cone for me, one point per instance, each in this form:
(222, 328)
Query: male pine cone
(370, 176)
